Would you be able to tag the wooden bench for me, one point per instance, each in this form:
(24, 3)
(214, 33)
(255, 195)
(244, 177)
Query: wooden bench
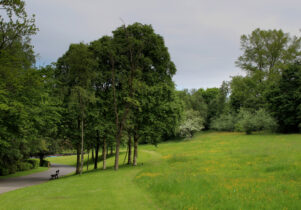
(56, 175)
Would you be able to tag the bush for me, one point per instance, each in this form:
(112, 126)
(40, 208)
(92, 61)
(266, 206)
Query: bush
(192, 122)
(4, 171)
(24, 166)
(13, 169)
(225, 122)
(258, 121)
(35, 163)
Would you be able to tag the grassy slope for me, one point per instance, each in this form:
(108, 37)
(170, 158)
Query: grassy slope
(211, 171)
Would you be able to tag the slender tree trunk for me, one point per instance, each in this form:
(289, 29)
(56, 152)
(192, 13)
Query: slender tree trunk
(135, 150)
(119, 123)
(88, 160)
(130, 150)
(78, 159)
(118, 139)
(82, 145)
(116, 166)
(92, 155)
(111, 150)
(96, 150)
(104, 154)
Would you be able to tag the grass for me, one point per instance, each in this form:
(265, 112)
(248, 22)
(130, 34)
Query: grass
(24, 173)
(209, 171)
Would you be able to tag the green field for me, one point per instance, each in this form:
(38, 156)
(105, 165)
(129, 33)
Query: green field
(210, 171)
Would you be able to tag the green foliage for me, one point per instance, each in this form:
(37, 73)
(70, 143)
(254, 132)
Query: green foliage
(258, 121)
(15, 35)
(284, 99)
(247, 92)
(209, 103)
(34, 162)
(225, 122)
(24, 166)
(28, 108)
(268, 51)
(17, 166)
(270, 58)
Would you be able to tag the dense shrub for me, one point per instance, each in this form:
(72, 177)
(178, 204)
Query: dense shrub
(35, 163)
(13, 169)
(225, 122)
(258, 121)
(4, 171)
(20, 166)
(24, 166)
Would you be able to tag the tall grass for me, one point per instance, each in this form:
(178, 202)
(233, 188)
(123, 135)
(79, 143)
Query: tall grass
(209, 171)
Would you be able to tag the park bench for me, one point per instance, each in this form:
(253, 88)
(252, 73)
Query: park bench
(56, 175)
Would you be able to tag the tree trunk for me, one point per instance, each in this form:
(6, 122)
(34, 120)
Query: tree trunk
(96, 150)
(130, 150)
(82, 146)
(111, 150)
(92, 155)
(104, 154)
(78, 159)
(119, 124)
(135, 150)
(116, 165)
(88, 160)
(41, 155)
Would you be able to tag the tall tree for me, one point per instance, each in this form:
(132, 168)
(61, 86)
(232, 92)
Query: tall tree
(267, 51)
(75, 70)
(265, 54)
(20, 85)
(284, 99)
(106, 94)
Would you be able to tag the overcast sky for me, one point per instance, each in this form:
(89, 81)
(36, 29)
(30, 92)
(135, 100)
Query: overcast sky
(203, 36)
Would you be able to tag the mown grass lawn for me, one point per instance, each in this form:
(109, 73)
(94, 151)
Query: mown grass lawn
(210, 171)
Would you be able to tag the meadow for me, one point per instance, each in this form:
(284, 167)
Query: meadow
(209, 171)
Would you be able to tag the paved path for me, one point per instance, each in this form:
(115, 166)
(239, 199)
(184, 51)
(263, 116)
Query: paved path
(14, 183)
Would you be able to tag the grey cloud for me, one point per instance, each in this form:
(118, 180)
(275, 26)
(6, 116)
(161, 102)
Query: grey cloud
(202, 36)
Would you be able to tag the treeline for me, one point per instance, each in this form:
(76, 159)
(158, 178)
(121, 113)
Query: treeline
(267, 98)
(113, 91)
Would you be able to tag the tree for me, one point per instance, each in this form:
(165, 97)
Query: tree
(20, 86)
(47, 116)
(284, 99)
(255, 121)
(247, 92)
(16, 29)
(267, 51)
(74, 73)
(267, 54)
(191, 123)
(103, 123)
(224, 122)
(148, 87)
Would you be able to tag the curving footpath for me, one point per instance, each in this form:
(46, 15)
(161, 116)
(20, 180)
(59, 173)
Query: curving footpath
(14, 183)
